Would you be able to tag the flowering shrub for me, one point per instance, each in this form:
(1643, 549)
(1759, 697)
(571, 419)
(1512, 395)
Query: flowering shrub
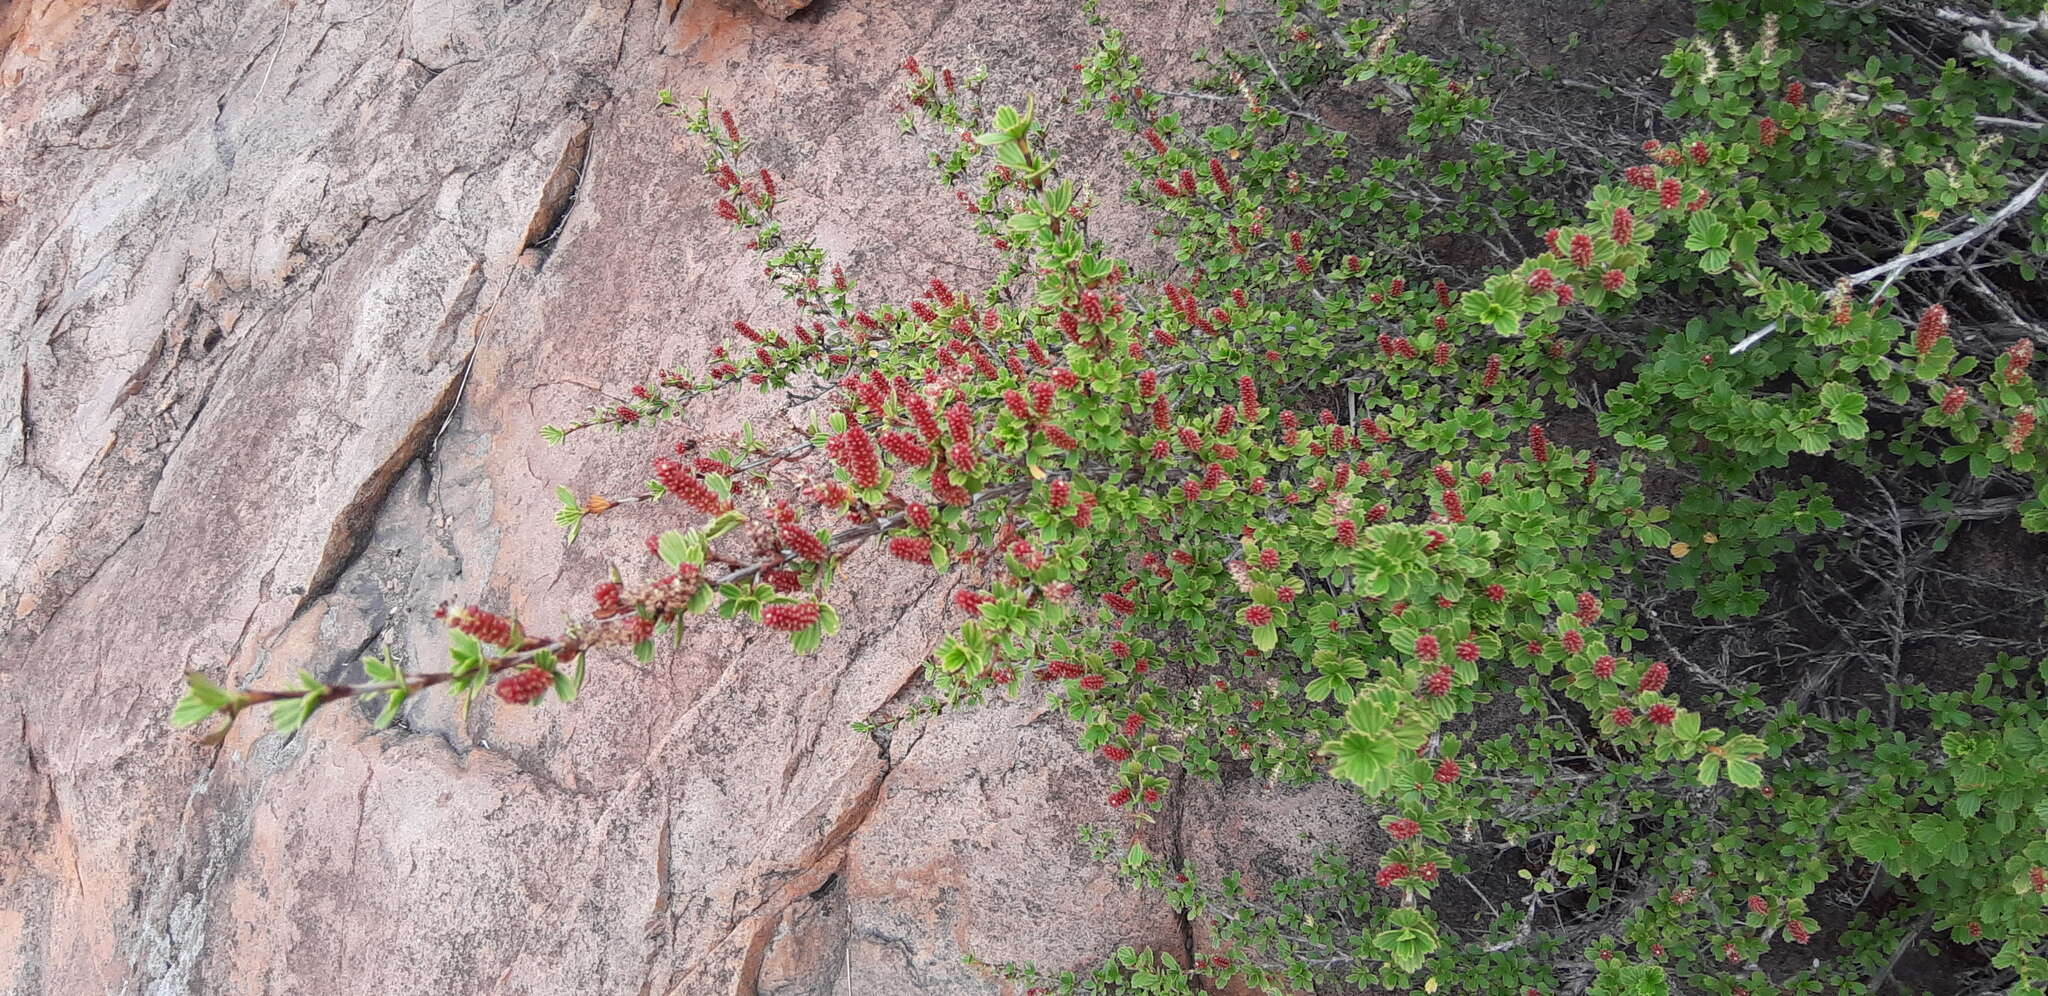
(1316, 501)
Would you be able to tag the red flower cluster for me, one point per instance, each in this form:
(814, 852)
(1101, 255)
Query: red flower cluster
(525, 687)
(685, 486)
(1933, 326)
(804, 543)
(487, 627)
(915, 549)
(790, 617)
(1582, 251)
(1447, 772)
(2017, 357)
(1654, 678)
(1403, 829)
(1438, 682)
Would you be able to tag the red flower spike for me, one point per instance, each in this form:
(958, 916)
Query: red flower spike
(1573, 642)
(1347, 533)
(1582, 251)
(1550, 238)
(1932, 328)
(906, 449)
(1426, 647)
(1115, 753)
(1119, 604)
(1492, 375)
(1496, 593)
(915, 549)
(971, 601)
(1447, 772)
(2017, 357)
(1654, 677)
(790, 617)
(1589, 608)
(1539, 444)
(686, 487)
(1699, 153)
(1403, 829)
(1613, 280)
(1437, 683)
(1795, 93)
(607, 597)
(1662, 714)
(1604, 668)
(1542, 279)
(1158, 144)
(1222, 179)
(1623, 228)
(805, 544)
(1669, 194)
(1798, 932)
(1390, 874)
(1120, 798)
(526, 687)
(2022, 427)
(1258, 615)
(1623, 716)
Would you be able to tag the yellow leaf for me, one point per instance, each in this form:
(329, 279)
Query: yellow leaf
(1680, 549)
(1037, 472)
(1710, 538)
(1430, 986)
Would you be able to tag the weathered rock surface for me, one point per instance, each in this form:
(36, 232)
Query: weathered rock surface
(290, 288)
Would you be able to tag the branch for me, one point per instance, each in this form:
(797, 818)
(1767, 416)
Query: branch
(1897, 266)
(1979, 43)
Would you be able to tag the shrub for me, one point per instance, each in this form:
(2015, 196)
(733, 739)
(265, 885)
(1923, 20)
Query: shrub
(1318, 500)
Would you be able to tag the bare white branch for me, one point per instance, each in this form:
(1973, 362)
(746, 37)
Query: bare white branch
(1897, 266)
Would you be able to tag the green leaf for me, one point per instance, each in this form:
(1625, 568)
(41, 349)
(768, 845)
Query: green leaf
(1745, 773)
(203, 698)
(1710, 769)
(1365, 761)
(394, 700)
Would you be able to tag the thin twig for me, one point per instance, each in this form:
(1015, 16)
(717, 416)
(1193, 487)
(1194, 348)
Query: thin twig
(1898, 265)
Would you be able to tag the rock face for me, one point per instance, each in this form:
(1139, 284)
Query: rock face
(290, 288)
